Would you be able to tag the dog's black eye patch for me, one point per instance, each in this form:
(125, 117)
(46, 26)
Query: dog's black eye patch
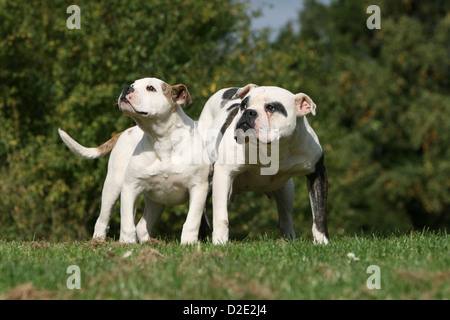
(244, 103)
(276, 106)
(151, 88)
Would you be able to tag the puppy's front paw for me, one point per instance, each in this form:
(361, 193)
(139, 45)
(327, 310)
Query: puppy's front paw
(99, 236)
(100, 230)
(188, 238)
(220, 232)
(127, 239)
(220, 238)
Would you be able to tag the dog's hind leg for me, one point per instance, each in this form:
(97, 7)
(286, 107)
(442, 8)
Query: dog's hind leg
(146, 226)
(205, 226)
(284, 198)
(110, 193)
(317, 183)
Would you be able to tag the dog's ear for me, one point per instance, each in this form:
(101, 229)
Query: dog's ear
(242, 92)
(181, 95)
(304, 105)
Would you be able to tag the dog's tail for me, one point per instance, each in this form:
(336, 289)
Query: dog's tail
(88, 153)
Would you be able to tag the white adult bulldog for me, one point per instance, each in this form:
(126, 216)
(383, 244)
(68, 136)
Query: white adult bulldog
(280, 144)
(155, 158)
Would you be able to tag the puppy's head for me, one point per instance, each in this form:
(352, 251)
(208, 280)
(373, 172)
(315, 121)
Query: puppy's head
(152, 98)
(269, 113)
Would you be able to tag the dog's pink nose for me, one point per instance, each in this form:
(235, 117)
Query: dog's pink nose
(128, 96)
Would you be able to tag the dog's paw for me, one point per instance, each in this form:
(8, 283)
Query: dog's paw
(129, 239)
(287, 230)
(99, 237)
(187, 239)
(100, 231)
(319, 237)
(220, 238)
(188, 242)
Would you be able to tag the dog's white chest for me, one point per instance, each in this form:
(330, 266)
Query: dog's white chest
(165, 183)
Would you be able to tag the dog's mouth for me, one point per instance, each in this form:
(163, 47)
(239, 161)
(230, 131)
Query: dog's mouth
(124, 100)
(242, 137)
(245, 133)
(244, 126)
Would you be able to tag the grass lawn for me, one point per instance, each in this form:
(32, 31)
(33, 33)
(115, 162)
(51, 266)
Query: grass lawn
(412, 266)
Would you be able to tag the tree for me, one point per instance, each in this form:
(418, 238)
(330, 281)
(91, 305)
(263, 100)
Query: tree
(384, 94)
(383, 103)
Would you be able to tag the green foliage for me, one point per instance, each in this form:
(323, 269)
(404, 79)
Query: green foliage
(383, 103)
(55, 77)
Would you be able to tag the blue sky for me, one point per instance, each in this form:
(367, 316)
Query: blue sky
(276, 13)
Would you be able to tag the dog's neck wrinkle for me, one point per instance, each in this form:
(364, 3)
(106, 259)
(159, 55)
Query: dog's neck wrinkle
(158, 132)
(160, 129)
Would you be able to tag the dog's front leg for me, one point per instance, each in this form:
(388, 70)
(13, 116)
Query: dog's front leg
(197, 202)
(128, 199)
(317, 183)
(221, 191)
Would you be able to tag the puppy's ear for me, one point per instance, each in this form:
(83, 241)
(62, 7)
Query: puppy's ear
(181, 95)
(304, 105)
(242, 92)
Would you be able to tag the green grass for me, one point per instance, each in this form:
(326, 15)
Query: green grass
(412, 266)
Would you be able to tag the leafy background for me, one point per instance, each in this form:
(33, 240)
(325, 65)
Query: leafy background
(383, 105)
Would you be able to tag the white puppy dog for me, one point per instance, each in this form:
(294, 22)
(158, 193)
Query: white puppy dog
(281, 144)
(146, 159)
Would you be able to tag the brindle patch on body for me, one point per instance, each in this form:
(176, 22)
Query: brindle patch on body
(108, 145)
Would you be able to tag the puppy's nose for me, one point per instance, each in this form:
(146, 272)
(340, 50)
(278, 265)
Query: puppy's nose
(250, 114)
(125, 92)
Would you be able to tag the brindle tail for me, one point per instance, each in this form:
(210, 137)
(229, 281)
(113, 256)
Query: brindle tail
(88, 153)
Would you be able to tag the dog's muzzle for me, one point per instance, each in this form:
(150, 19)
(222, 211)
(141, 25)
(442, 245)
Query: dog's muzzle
(245, 125)
(125, 92)
(123, 99)
(247, 120)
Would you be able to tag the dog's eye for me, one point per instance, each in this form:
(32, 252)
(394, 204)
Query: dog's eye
(151, 88)
(276, 106)
(270, 108)
(244, 103)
